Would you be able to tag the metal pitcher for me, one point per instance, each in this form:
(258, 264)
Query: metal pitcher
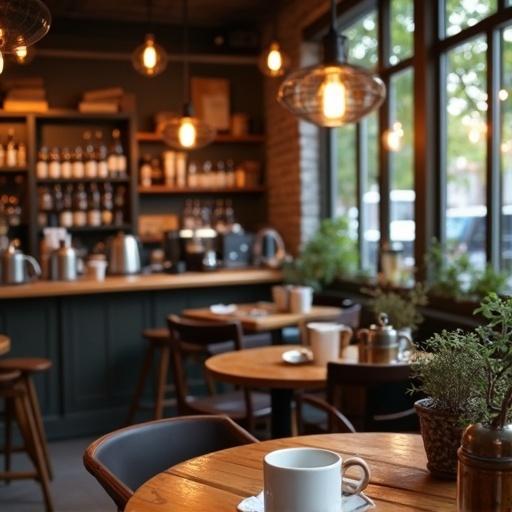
(382, 343)
(16, 267)
(63, 263)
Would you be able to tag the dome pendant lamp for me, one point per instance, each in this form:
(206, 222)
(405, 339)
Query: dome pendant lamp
(22, 24)
(333, 93)
(188, 131)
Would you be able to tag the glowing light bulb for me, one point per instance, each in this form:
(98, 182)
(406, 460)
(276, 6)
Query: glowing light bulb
(21, 53)
(149, 55)
(333, 100)
(1, 62)
(187, 133)
(503, 94)
(274, 58)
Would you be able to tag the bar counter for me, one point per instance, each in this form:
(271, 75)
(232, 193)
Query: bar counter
(149, 282)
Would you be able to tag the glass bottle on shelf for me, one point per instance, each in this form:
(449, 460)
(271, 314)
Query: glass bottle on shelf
(101, 155)
(66, 213)
(94, 210)
(145, 171)
(219, 223)
(66, 168)
(188, 215)
(230, 174)
(45, 206)
(192, 176)
(220, 175)
(2, 155)
(107, 205)
(54, 164)
(206, 175)
(117, 162)
(196, 213)
(57, 204)
(11, 150)
(22, 155)
(14, 210)
(80, 206)
(119, 205)
(229, 215)
(90, 166)
(77, 163)
(181, 170)
(42, 164)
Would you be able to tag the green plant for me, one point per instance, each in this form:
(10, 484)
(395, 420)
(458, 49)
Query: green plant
(486, 281)
(402, 309)
(330, 254)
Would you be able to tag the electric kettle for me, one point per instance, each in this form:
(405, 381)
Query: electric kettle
(124, 254)
(16, 267)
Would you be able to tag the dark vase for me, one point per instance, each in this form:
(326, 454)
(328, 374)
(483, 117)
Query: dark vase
(484, 481)
(441, 435)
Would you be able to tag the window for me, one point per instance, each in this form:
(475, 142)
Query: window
(460, 14)
(402, 29)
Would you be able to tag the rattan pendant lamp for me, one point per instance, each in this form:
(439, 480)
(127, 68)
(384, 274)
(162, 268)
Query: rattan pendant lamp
(187, 132)
(333, 93)
(22, 24)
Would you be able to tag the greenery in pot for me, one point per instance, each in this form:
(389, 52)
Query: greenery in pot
(402, 308)
(331, 253)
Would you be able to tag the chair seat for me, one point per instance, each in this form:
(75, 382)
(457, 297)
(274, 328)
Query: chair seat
(232, 404)
(26, 364)
(156, 335)
(8, 377)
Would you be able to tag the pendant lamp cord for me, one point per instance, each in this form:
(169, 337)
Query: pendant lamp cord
(149, 10)
(186, 77)
(333, 15)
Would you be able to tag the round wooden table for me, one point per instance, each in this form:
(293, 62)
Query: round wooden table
(263, 367)
(219, 481)
(5, 344)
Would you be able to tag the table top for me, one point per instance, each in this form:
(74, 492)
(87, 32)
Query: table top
(219, 481)
(268, 318)
(5, 344)
(264, 367)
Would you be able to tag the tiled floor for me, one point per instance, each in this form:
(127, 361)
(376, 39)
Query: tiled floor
(73, 489)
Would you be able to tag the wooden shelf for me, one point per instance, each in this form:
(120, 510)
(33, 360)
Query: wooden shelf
(221, 138)
(13, 169)
(164, 189)
(48, 181)
(93, 229)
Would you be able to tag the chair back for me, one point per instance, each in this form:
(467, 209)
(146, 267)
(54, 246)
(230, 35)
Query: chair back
(123, 460)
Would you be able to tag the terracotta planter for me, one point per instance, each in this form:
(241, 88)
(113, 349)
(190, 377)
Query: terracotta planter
(441, 437)
(484, 480)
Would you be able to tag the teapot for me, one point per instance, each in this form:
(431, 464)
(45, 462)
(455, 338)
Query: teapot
(63, 263)
(124, 254)
(382, 343)
(16, 267)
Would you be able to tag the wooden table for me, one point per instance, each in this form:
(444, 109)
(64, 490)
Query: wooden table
(269, 320)
(5, 344)
(264, 367)
(219, 481)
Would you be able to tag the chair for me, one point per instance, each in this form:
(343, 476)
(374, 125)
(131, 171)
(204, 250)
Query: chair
(123, 460)
(367, 394)
(242, 406)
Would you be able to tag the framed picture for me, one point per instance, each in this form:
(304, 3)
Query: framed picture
(211, 101)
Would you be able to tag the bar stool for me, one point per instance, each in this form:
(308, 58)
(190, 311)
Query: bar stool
(27, 367)
(13, 388)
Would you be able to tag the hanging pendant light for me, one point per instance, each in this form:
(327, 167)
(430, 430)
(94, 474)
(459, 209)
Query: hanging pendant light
(22, 24)
(187, 131)
(333, 93)
(24, 55)
(273, 61)
(149, 58)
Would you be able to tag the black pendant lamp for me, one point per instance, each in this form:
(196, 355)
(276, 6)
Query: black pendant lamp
(333, 93)
(187, 131)
(22, 24)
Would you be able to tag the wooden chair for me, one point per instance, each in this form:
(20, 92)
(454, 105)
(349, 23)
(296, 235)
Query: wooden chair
(14, 390)
(123, 460)
(243, 406)
(354, 389)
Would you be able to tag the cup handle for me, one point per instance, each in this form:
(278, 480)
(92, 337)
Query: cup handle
(362, 484)
(346, 334)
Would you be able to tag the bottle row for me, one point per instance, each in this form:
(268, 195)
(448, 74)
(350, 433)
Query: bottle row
(172, 170)
(91, 160)
(80, 205)
(13, 153)
(205, 214)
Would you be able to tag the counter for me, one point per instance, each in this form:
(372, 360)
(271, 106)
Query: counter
(149, 282)
(92, 330)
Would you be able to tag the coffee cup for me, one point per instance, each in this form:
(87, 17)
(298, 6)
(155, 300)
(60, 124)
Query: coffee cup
(327, 341)
(281, 297)
(308, 480)
(96, 269)
(301, 299)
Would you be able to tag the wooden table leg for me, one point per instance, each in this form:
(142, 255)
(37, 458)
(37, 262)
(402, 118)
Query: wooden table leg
(281, 400)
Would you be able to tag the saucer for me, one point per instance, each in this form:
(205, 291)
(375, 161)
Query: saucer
(223, 309)
(297, 356)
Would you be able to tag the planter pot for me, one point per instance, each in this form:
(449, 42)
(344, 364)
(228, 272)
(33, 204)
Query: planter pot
(484, 480)
(441, 437)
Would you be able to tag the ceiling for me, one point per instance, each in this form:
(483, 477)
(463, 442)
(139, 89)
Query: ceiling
(202, 13)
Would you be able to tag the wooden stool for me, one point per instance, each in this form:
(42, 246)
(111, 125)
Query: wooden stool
(27, 367)
(13, 388)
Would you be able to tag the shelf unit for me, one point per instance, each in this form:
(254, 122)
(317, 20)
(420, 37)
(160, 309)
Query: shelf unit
(220, 138)
(164, 189)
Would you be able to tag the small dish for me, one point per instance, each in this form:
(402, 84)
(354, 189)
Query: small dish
(297, 356)
(223, 309)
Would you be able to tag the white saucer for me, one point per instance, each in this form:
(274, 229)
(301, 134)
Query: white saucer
(297, 356)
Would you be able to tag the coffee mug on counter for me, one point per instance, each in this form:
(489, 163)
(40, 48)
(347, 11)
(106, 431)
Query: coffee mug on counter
(301, 299)
(327, 340)
(307, 480)
(281, 297)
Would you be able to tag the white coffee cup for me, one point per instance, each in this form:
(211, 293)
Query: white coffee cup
(281, 297)
(327, 340)
(301, 299)
(307, 480)
(96, 269)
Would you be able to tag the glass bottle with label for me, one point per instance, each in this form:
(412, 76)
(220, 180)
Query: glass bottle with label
(90, 166)
(94, 211)
(229, 214)
(230, 174)
(54, 164)
(119, 204)
(117, 163)
(45, 206)
(22, 155)
(42, 164)
(66, 213)
(57, 204)
(66, 168)
(80, 206)
(192, 176)
(145, 172)
(101, 155)
(77, 163)
(107, 205)
(11, 150)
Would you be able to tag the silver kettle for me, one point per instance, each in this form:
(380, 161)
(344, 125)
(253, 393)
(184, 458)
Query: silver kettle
(268, 248)
(63, 263)
(16, 267)
(124, 254)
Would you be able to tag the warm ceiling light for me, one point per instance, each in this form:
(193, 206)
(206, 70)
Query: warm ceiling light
(333, 93)
(24, 55)
(149, 59)
(273, 61)
(393, 137)
(187, 131)
(503, 95)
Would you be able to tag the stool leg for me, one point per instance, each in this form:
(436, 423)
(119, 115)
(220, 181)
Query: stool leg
(32, 444)
(8, 436)
(146, 367)
(38, 419)
(163, 368)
